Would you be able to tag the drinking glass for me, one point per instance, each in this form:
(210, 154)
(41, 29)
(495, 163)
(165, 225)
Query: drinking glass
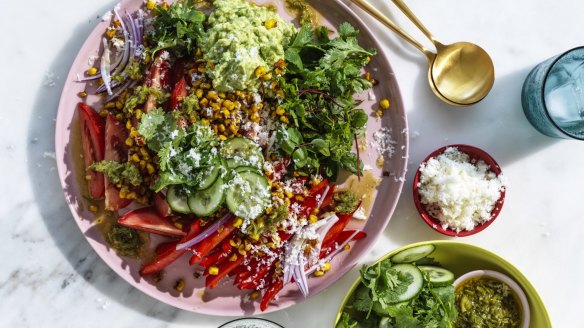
(553, 95)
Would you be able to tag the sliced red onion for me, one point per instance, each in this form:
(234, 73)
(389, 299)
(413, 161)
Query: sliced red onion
(105, 67)
(334, 253)
(323, 196)
(200, 237)
(300, 278)
(128, 84)
(288, 271)
(332, 219)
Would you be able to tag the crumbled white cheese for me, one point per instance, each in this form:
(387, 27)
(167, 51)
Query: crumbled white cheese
(459, 193)
(383, 143)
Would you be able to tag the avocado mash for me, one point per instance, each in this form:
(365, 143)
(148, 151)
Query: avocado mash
(242, 37)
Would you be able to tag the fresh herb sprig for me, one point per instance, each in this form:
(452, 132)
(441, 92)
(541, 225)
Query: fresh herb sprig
(322, 77)
(177, 27)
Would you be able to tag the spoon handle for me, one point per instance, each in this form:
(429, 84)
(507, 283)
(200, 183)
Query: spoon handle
(375, 13)
(410, 15)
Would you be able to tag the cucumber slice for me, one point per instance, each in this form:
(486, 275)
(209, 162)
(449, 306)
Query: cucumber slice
(210, 176)
(417, 281)
(438, 276)
(177, 200)
(242, 151)
(248, 194)
(246, 168)
(413, 254)
(378, 309)
(206, 202)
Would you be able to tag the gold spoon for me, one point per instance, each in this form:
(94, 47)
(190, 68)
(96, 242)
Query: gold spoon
(460, 74)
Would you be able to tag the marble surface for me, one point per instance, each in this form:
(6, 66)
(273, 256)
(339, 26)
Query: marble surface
(50, 277)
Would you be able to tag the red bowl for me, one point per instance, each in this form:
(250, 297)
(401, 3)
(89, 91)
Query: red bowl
(475, 155)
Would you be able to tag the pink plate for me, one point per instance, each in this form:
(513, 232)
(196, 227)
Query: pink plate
(226, 299)
(475, 154)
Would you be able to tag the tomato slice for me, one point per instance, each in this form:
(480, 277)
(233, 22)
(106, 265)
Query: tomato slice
(178, 93)
(161, 204)
(170, 254)
(158, 78)
(147, 219)
(93, 141)
(115, 150)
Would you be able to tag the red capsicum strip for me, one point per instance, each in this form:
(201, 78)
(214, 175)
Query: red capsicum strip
(271, 292)
(204, 247)
(171, 254)
(213, 280)
(330, 247)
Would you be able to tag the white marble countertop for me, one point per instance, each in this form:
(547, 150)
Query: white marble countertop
(50, 276)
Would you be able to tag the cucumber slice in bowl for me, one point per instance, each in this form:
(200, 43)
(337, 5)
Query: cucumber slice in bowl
(438, 276)
(206, 202)
(417, 281)
(240, 151)
(211, 175)
(248, 194)
(413, 254)
(177, 199)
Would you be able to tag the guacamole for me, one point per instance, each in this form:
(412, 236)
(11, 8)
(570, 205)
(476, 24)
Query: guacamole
(242, 37)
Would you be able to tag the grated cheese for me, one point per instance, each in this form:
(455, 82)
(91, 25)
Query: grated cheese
(459, 193)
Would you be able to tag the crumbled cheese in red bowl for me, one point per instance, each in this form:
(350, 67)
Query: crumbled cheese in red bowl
(459, 190)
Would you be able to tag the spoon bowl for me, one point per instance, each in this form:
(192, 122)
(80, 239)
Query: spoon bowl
(461, 73)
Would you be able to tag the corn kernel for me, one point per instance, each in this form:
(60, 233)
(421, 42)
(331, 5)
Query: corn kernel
(150, 4)
(150, 168)
(384, 103)
(119, 117)
(226, 113)
(271, 245)
(379, 113)
(284, 119)
(205, 121)
(233, 257)
(289, 194)
(221, 128)
(229, 105)
(233, 128)
(103, 113)
(124, 193)
(129, 142)
(92, 208)
(204, 102)
(212, 95)
(315, 211)
(222, 137)
(82, 94)
(92, 71)
(198, 52)
(347, 247)
(238, 222)
(135, 158)
(259, 71)
(110, 33)
(327, 266)
(213, 270)
(232, 243)
(255, 295)
(299, 198)
(269, 210)
(109, 105)
(180, 285)
(270, 23)
(178, 225)
(267, 76)
(241, 250)
(280, 111)
(318, 273)
(312, 218)
(256, 118)
(199, 93)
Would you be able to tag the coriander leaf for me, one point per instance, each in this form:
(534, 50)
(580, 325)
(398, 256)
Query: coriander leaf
(362, 301)
(118, 172)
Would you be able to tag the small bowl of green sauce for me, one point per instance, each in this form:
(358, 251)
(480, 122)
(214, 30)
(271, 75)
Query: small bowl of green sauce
(486, 298)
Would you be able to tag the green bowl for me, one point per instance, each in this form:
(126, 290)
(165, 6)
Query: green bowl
(461, 258)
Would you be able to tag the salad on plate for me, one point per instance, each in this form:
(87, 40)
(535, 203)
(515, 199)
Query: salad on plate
(220, 132)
